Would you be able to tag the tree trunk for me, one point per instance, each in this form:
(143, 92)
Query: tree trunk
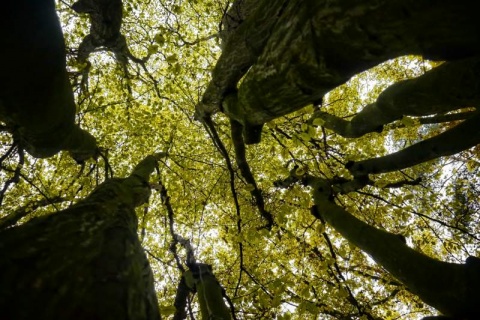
(36, 98)
(247, 27)
(200, 278)
(85, 262)
(316, 46)
(450, 288)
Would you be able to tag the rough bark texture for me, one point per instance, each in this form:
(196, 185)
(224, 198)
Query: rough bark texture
(314, 46)
(200, 278)
(451, 86)
(243, 44)
(105, 22)
(85, 262)
(234, 16)
(450, 288)
(317, 46)
(36, 99)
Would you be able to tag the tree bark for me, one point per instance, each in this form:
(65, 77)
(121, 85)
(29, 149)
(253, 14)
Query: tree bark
(451, 288)
(243, 43)
(85, 262)
(201, 279)
(36, 98)
(451, 86)
(459, 138)
(316, 46)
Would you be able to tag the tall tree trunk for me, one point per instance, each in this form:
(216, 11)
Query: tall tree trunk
(200, 278)
(314, 46)
(36, 98)
(451, 288)
(85, 262)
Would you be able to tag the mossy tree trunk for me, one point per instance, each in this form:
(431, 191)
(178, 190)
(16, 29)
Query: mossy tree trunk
(85, 262)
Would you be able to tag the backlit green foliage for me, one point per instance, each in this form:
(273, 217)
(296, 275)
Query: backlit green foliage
(301, 269)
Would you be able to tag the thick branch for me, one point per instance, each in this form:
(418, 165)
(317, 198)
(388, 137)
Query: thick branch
(450, 288)
(36, 99)
(459, 138)
(447, 117)
(240, 157)
(243, 45)
(315, 47)
(453, 85)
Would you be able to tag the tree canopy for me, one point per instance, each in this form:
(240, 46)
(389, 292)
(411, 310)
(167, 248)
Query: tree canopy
(316, 159)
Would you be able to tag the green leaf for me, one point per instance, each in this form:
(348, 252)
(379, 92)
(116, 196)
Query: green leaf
(318, 122)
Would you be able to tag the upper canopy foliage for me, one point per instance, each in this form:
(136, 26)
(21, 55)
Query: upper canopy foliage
(274, 258)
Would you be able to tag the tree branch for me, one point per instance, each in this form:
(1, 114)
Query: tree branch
(451, 86)
(240, 156)
(459, 138)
